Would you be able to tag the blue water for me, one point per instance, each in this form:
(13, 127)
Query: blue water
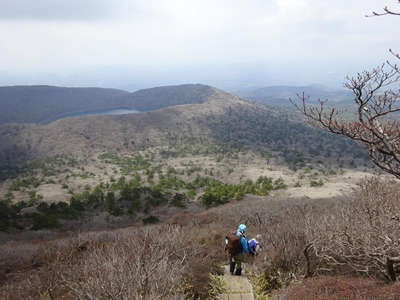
(115, 111)
(119, 111)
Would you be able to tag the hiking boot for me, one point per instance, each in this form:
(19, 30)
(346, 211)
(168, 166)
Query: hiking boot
(232, 267)
(238, 272)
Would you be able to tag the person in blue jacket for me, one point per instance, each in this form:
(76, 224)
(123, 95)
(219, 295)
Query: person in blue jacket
(254, 247)
(240, 232)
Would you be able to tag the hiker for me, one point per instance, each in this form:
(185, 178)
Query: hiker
(236, 245)
(254, 247)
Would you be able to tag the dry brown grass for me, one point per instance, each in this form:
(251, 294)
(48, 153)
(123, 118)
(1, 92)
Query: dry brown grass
(133, 263)
(343, 288)
(128, 264)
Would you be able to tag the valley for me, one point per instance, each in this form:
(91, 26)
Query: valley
(314, 181)
(199, 151)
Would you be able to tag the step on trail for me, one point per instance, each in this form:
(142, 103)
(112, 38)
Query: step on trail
(238, 287)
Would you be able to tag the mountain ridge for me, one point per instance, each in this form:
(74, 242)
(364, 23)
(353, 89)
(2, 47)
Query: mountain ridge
(43, 104)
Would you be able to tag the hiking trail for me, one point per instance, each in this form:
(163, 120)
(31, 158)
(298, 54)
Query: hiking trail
(238, 287)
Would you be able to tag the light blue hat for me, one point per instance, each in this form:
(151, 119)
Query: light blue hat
(242, 228)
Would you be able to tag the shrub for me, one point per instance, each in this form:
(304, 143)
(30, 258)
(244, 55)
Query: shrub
(216, 287)
(130, 264)
(359, 237)
(279, 184)
(314, 183)
(342, 287)
(110, 202)
(179, 200)
(5, 215)
(44, 221)
(151, 220)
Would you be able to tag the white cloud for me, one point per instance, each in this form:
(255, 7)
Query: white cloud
(170, 33)
(57, 9)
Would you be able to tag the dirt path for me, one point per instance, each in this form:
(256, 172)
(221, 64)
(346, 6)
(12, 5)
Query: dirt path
(238, 287)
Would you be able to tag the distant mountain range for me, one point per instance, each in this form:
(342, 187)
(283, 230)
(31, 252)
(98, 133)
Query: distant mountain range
(42, 104)
(280, 94)
(194, 115)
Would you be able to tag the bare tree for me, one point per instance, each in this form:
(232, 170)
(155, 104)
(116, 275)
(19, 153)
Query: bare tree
(387, 11)
(362, 236)
(146, 263)
(377, 96)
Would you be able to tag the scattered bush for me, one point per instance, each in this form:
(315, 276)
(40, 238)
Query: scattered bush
(315, 183)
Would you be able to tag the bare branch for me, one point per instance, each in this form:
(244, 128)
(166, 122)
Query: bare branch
(376, 101)
(386, 11)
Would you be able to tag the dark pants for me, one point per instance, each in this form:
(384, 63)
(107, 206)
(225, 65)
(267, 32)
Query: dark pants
(237, 259)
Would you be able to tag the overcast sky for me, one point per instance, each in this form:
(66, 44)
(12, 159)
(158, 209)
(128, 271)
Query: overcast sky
(137, 43)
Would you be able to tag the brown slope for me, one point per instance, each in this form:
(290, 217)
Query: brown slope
(165, 96)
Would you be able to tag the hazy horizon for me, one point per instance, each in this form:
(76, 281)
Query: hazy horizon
(228, 44)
